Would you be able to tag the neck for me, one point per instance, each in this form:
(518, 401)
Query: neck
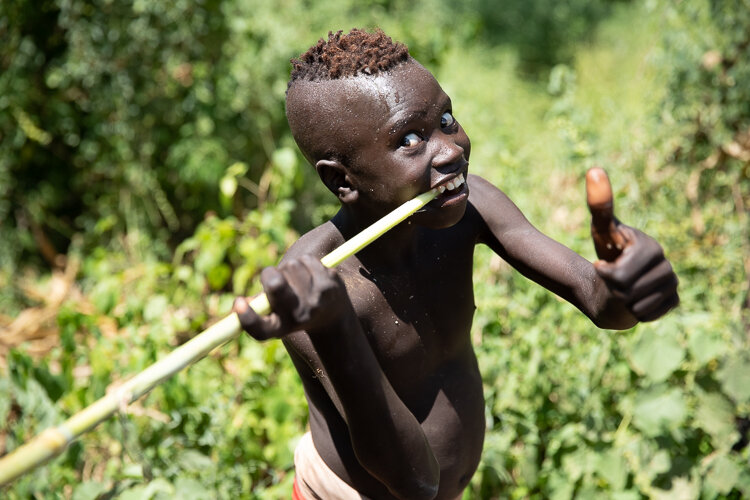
(395, 248)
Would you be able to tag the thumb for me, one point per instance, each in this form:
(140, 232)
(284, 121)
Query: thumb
(259, 327)
(599, 194)
(608, 240)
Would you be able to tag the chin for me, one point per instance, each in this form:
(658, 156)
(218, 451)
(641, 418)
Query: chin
(440, 217)
(444, 211)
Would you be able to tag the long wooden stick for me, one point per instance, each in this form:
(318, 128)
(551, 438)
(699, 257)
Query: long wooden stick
(53, 441)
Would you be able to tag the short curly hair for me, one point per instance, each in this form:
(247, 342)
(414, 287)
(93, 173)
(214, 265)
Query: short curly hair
(357, 52)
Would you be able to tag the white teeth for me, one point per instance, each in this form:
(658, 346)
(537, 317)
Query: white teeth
(455, 183)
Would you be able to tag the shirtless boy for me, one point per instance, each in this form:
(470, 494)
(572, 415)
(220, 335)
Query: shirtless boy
(382, 343)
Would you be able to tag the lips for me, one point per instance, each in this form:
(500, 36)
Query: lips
(451, 192)
(452, 185)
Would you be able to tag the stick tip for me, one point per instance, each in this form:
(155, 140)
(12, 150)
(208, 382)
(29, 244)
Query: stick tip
(598, 189)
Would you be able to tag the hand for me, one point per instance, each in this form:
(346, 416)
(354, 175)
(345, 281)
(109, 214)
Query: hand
(632, 263)
(303, 295)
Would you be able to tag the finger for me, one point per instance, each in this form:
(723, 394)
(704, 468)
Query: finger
(605, 229)
(655, 306)
(281, 295)
(599, 194)
(317, 270)
(634, 261)
(258, 327)
(660, 277)
(301, 281)
(326, 282)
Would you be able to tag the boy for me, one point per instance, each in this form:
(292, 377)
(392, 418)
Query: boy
(382, 342)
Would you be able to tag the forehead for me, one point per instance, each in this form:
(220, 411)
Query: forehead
(392, 97)
(345, 115)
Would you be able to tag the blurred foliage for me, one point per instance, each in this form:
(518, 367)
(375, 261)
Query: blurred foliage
(544, 33)
(146, 143)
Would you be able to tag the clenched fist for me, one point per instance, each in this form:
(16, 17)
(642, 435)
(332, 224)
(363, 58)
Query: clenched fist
(632, 264)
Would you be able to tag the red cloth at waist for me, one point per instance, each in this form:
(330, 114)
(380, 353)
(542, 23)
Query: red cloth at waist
(296, 495)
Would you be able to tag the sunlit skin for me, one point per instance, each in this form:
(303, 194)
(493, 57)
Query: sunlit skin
(382, 343)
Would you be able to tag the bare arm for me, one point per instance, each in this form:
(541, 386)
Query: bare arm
(306, 296)
(612, 295)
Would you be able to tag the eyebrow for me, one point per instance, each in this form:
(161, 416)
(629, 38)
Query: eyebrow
(418, 114)
(403, 122)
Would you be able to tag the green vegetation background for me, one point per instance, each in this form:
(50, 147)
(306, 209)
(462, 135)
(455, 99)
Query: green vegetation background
(147, 175)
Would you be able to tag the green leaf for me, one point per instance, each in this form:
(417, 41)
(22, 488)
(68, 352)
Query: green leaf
(656, 356)
(715, 415)
(286, 160)
(241, 278)
(561, 487)
(194, 461)
(90, 490)
(137, 492)
(735, 378)
(228, 186)
(5, 402)
(155, 308)
(579, 463)
(682, 489)
(157, 486)
(132, 471)
(723, 475)
(188, 488)
(658, 410)
(625, 495)
(611, 466)
(705, 345)
(236, 169)
(659, 463)
(218, 276)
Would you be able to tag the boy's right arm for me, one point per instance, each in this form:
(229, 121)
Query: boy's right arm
(304, 295)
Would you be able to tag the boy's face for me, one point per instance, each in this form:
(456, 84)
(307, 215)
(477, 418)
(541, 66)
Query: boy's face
(396, 136)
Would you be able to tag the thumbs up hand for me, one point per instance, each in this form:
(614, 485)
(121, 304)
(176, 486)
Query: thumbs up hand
(632, 264)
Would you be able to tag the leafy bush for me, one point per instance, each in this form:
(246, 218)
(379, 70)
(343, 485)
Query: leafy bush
(148, 143)
(544, 33)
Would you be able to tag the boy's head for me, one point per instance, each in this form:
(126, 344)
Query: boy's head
(376, 125)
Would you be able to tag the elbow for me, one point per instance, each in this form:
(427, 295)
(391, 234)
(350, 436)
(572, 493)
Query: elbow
(415, 475)
(416, 489)
(400, 456)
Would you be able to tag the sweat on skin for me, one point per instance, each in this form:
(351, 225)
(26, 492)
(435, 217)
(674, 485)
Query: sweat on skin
(382, 343)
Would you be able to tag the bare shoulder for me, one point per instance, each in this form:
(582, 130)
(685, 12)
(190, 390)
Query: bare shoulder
(496, 210)
(317, 242)
(485, 196)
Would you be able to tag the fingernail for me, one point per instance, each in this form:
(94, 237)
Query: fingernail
(240, 305)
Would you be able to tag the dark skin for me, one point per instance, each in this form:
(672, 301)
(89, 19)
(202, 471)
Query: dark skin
(382, 342)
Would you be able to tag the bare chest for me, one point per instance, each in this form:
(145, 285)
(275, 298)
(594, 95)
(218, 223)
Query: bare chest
(416, 319)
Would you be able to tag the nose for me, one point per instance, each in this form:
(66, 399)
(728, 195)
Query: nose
(447, 152)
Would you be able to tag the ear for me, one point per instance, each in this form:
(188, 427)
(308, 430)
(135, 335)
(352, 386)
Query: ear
(334, 175)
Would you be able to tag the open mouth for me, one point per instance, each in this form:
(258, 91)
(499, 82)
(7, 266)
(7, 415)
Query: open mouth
(453, 186)
(452, 192)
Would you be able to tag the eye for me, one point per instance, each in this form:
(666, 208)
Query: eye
(410, 140)
(447, 120)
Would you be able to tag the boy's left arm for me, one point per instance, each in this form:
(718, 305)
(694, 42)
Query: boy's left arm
(639, 285)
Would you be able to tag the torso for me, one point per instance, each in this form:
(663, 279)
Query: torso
(418, 322)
